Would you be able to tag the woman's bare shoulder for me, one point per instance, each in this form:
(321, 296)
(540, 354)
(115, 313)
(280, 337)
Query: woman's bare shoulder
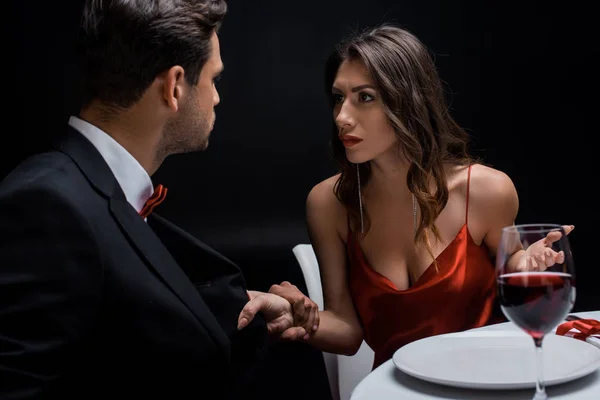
(323, 206)
(483, 183)
(492, 194)
(323, 193)
(489, 183)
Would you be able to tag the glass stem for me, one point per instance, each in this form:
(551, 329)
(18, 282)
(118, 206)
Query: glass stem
(540, 388)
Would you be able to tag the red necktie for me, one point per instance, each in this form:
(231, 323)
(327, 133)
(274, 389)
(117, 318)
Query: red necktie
(157, 197)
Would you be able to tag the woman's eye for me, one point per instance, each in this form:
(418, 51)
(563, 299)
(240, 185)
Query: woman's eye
(337, 98)
(365, 97)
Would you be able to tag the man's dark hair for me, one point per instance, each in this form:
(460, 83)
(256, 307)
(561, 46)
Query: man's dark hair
(125, 44)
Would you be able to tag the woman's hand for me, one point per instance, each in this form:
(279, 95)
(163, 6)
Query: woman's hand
(277, 313)
(539, 256)
(305, 311)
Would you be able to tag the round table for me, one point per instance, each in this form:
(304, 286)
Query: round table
(387, 382)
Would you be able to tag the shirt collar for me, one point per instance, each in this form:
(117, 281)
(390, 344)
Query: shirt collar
(131, 176)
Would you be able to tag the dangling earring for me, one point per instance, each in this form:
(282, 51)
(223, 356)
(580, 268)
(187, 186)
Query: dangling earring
(362, 226)
(414, 204)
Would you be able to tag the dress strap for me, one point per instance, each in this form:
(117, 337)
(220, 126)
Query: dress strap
(468, 187)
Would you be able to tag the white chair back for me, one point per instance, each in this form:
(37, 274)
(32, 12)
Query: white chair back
(310, 269)
(343, 372)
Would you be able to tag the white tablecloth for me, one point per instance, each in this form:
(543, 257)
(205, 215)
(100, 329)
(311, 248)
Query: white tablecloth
(388, 383)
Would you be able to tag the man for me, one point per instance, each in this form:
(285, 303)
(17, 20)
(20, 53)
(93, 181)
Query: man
(99, 297)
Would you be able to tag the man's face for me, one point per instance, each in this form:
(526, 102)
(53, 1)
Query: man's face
(191, 129)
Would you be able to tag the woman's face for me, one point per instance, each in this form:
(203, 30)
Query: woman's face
(359, 115)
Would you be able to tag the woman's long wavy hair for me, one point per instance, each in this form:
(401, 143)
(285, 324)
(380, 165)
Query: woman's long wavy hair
(413, 100)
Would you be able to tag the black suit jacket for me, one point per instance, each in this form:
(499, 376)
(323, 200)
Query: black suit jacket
(97, 303)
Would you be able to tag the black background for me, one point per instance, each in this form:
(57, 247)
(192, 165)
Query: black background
(522, 77)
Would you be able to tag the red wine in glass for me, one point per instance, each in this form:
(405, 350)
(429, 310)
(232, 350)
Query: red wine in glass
(535, 301)
(536, 282)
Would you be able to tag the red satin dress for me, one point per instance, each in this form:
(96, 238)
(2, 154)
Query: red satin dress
(460, 295)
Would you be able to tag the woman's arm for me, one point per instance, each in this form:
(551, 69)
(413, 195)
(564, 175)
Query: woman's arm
(339, 329)
(493, 205)
(496, 203)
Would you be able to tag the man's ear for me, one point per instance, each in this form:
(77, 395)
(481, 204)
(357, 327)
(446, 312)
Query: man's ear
(174, 82)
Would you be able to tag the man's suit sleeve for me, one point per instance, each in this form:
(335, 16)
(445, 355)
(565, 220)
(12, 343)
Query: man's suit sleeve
(50, 289)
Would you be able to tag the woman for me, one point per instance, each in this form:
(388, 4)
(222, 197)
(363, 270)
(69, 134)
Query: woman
(406, 233)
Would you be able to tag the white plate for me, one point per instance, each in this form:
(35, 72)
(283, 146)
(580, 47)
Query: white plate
(495, 359)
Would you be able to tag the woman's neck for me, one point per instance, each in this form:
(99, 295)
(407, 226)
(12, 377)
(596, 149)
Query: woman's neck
(388, 173)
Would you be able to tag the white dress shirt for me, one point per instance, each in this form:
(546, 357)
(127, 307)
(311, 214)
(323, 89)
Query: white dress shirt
(132, 177)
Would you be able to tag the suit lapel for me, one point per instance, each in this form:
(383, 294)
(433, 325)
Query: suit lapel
(93, 166)
(157, 256)
(200, 262)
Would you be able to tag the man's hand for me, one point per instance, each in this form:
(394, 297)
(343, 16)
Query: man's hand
(306, 311)
(277, 312)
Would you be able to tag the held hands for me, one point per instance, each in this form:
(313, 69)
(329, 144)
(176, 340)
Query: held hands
(305, 311)
(539, 256)
(276, 311)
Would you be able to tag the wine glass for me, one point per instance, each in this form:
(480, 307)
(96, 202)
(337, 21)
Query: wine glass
(536, 282)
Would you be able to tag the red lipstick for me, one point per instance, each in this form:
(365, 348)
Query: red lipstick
(349, 140)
